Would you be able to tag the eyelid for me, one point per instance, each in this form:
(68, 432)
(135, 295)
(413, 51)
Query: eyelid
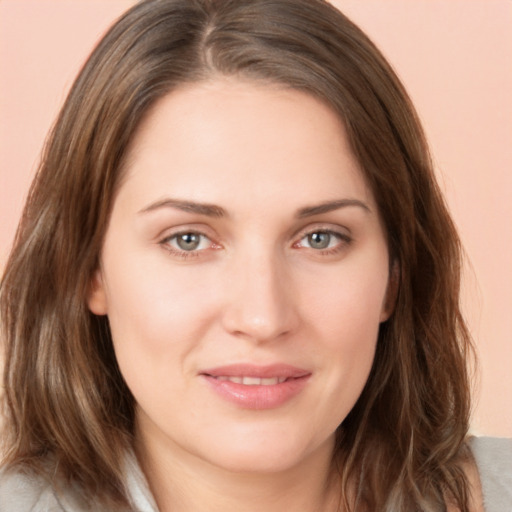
(194, 227)
(177, 235)
(334, 229)
(343, 235)
(168, 235)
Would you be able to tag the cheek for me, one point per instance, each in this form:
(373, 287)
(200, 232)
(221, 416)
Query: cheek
(345, 317)
(349, 304)
(156, 316)
(344, 322)
(350, 323)
(152, 294)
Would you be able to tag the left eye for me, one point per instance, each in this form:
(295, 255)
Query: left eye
(320, 240)
(188, 242)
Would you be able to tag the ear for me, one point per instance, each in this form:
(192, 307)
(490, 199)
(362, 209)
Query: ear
(96, 296)
(388, 306)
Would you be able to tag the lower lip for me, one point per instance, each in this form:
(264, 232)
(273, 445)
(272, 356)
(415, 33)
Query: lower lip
(258, 397)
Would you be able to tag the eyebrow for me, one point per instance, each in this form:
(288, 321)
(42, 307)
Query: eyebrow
(330, 206)
(210, 210)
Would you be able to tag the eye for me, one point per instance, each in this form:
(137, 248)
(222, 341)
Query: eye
(321, 240)
(188, 242)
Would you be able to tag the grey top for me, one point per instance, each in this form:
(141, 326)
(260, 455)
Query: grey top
(493, 457)
(19, 493)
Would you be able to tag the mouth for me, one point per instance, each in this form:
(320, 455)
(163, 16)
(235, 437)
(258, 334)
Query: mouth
(257, 387)
(252, 381)
(255, 375)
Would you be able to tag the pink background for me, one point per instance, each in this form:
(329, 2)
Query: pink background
(455, 58)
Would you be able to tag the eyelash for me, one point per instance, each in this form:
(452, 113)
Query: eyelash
(183, 254)
(344, 240)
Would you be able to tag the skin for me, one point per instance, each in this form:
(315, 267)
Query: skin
(255, 290)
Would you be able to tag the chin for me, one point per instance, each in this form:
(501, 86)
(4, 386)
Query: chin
(256, 462)
(267, 454)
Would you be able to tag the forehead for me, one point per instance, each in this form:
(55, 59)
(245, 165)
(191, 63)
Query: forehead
(228, 138)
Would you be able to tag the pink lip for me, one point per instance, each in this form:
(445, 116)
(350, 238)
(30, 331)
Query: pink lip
(252, 370)
(257, 397)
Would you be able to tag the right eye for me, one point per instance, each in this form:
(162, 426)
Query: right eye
(187, 242)
(321, 240)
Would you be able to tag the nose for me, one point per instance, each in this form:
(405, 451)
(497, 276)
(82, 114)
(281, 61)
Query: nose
(261, 306)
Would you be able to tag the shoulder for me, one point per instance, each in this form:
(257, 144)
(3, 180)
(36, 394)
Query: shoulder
(493, 458)
(24, 492)
(20, 492)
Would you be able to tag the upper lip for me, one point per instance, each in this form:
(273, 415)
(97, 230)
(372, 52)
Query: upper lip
(260, 371)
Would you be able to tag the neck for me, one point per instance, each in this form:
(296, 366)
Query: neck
(183, 482)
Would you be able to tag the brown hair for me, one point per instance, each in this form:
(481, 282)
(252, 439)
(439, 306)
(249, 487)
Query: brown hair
(403, 444)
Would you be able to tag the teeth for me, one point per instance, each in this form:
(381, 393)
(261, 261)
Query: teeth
(254, 381)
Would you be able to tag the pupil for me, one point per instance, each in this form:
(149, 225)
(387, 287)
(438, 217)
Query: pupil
(188, 241)
(319, 240)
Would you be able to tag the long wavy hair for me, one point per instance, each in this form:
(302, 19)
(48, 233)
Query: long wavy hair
(402, 447)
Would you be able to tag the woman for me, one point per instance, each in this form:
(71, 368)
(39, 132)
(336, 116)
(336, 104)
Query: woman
(235, 283)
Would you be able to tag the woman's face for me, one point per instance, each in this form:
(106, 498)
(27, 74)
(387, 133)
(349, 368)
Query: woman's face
(244, 274)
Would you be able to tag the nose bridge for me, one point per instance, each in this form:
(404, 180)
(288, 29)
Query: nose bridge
(260, 303)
